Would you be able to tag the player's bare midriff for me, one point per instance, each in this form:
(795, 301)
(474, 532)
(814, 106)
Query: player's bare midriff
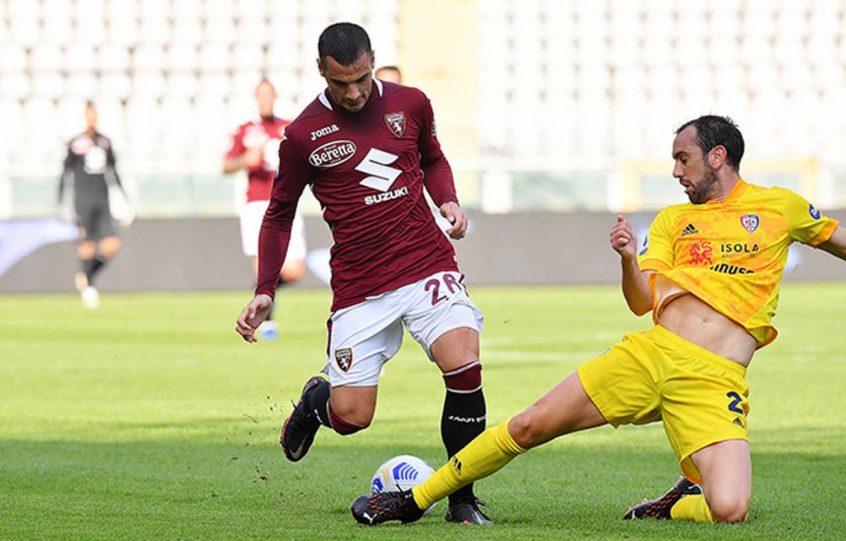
(697, 322)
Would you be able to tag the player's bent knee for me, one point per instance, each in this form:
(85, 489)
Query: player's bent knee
(728, 508)
(345, 427)
(524, 430)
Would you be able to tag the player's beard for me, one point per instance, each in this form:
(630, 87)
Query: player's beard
(706, 188)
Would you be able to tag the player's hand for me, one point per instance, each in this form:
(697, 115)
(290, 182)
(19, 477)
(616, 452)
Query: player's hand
(66, 214)
(453, 213)
(252, 157)
(252, 316)
(623, 238)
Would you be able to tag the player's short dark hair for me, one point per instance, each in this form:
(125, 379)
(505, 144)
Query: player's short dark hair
(344, 42)
(712, 131)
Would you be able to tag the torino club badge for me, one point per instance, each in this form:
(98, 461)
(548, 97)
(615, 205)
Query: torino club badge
(396, 123)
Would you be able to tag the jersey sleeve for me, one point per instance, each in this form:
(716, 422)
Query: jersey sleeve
(275, 233)
(807, 224)
(438, 177)
(656, 249)
(236, 148)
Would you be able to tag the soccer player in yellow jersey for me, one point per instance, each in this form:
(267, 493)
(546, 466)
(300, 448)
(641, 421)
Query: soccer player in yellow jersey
(709, 271)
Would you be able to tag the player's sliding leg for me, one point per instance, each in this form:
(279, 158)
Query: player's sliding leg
(564, 409)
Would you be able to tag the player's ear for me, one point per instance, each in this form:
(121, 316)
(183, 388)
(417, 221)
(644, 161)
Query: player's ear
(717, 156)
(320, 68)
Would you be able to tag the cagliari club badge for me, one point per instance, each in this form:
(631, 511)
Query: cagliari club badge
(396, 123)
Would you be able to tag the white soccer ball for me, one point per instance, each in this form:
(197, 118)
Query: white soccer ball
(402, 472)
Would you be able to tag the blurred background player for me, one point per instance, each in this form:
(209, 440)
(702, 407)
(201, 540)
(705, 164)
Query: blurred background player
(391, 74)
(89, 167)
(255, 149)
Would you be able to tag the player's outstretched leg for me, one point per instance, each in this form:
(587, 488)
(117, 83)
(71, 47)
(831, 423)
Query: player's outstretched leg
(301, 426)
(660, 507)
(373, 509)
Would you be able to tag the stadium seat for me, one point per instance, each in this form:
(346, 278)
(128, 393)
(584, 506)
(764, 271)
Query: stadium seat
(12, 115)
(90, 30)
(181, 84)
(187, 9)
(142, 124)
(248, 57)
(81, 84)
(39, 123)
(219, 30)
(15, 84)
(115, 85)
(148, 57)
(57, 30)
(112, 57)
(25, 31)
(222, 9)
(182, 57)
(48, 84)
(154, 30)
(186, 31)
(178, 134)
(122, 31)
(46, 57)
(214, 84)
(252, 30)
(215, 57)
(70, 116)
(155, 9)
(80, 57)
(212, 132)
(148, 84)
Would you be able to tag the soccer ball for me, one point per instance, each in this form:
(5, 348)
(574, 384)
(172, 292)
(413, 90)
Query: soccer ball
(402, 472)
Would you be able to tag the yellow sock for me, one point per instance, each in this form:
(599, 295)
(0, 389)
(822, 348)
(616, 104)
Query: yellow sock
(693, 507)
(490, 451)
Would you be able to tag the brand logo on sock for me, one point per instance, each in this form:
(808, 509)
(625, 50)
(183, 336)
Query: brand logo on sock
(344, 358)
(456, 465)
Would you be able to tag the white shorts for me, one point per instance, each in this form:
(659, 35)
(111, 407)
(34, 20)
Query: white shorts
(251, 216)
(363, 337)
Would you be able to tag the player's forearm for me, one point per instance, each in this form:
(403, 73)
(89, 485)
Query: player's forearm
(439, 181)
(232, 165)
(635, 285)
(836, 244)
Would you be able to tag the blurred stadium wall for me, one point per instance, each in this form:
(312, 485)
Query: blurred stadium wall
(543, 106)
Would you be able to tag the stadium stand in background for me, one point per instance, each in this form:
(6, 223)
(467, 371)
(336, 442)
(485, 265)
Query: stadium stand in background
(576, 104)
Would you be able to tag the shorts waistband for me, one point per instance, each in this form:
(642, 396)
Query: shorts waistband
(662, 334)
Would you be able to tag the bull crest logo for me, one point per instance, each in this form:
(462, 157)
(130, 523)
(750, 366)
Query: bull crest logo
(344, 358)
(396, 123)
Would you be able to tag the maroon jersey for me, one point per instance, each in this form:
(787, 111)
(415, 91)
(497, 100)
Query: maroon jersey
(368, 171)
(263, 133)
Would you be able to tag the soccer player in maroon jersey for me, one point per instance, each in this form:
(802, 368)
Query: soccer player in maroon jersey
(367, 149)
(254, 148)
(88, 169)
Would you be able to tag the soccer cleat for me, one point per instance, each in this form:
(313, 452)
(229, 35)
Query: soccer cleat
(373, 509)
(90, 297)
(660, 507)
(268, 331)
(80, 281)
(301, 426)
(467, 512)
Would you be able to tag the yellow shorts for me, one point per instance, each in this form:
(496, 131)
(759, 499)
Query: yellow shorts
(656, 375)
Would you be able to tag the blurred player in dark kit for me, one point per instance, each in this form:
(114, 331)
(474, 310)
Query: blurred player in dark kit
(89, 167)
(255, 149)
(367, 149)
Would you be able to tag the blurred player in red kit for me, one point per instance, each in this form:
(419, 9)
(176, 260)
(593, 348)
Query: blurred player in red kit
(367, 149)
(255, 148)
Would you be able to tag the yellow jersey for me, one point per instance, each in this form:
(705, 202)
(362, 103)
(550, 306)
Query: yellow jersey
(731, 253)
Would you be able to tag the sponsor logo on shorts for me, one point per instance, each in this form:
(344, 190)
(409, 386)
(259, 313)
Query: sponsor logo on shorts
(815, 214)
(332, 153)
(344, 358)
(739, 422)
(750, 222)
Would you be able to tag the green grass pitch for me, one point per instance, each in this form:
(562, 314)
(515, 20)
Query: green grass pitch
(150, 419)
